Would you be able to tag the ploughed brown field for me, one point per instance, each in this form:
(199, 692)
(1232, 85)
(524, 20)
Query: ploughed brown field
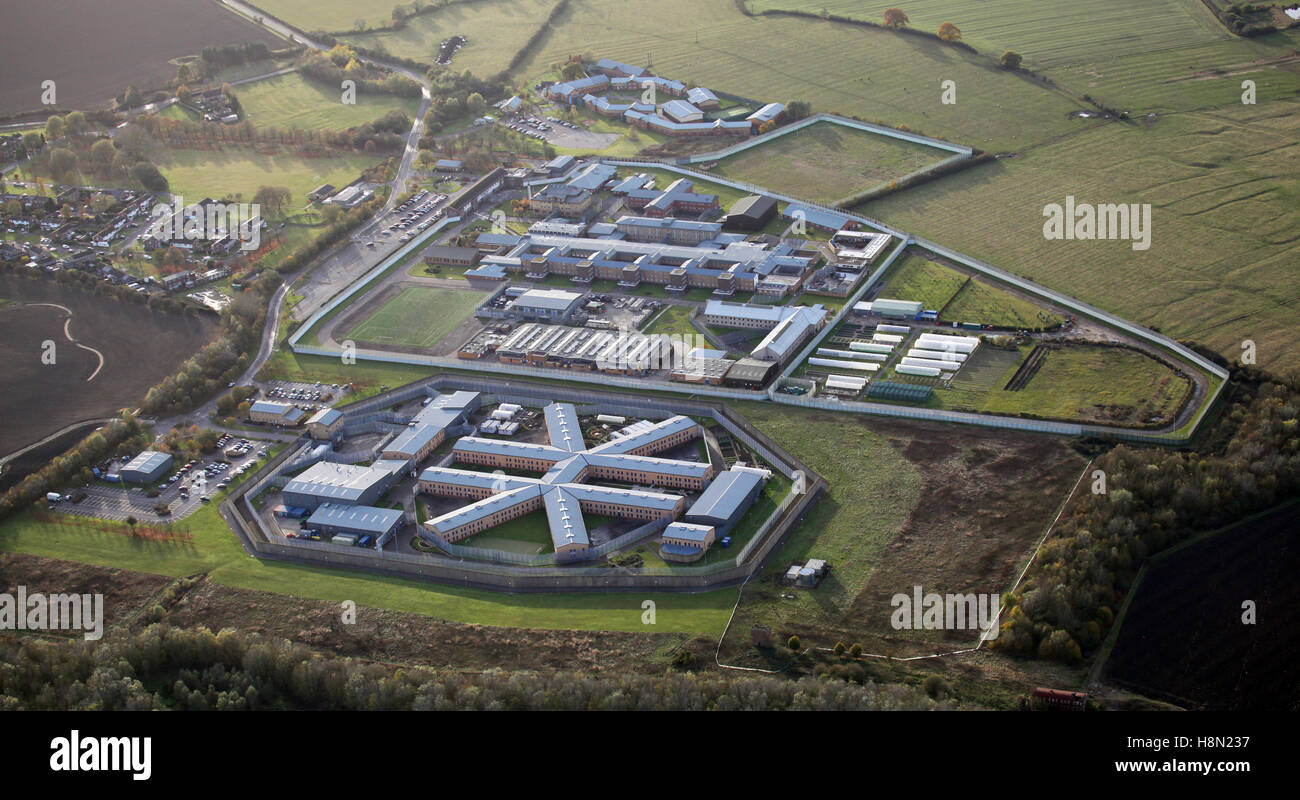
(93, 49)
(140, 348)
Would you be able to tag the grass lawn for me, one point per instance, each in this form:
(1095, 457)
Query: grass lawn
(529, 534)
(826, 162)
(872, 492)
(495, 31)
(293, 101)
(915, 277)
(235, 172)
(979, 301)
(672, 320)
(1103, 384)
(419, 316)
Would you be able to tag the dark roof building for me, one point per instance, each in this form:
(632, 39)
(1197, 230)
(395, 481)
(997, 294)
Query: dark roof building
(750, 213)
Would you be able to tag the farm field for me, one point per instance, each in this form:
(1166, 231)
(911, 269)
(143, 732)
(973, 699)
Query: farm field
(90, 69)
(1223, 262)
(328, 15)
(1180, 637)
(877, 75)
(238, 172)
(826, 162)
(140, 347)
(496, 30)
(293, 101)
(1045, 34)
(419, 316)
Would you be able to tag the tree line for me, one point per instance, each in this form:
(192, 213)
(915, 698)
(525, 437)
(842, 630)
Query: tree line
(1154, 499)
(163, 668)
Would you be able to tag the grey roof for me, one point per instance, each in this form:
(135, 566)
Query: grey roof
(688, 531)
(658, 466)
(367, 519)
(473, 479)
(270, 407)
(474, 444)
(564, 516)
(148, 461)
(659, 431)
(410, 441)
(326, 417)
(725, 495)
(344, 482)
(562, 425)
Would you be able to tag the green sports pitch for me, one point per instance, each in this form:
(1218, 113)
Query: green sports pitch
(419, 316)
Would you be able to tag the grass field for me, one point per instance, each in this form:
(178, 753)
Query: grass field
(1224, 261)
(873, 74)
(238, 172)
(1045, 33)
(1077, 383)
(981, 302)
(213, 549)
(292, 101)
(496, 30)
(872, 492)
(915, 277)
(826, 162)
(673, 320)
(529, 534)
(329, 15)
(419, 316)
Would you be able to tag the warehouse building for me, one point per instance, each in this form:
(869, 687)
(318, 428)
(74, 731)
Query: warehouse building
(342, 484)
(750, 373)
(147, 467)
(447, 255)
(889, 309)
(728, 498)
(540, 305)
(332, 519)
(272, 413)
(750, 213)
(429, 427)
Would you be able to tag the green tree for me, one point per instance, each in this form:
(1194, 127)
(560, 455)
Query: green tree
(63, 163)
(101, 155)
(839, 649)
(895, 19)
(1010, 60)
(54, 127)
(149, 177)
(132, 97)
(793, 643)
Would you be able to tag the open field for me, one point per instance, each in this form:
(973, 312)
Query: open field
(238, 172)
(1075, 382)
(293, 101)
(900, 511)
(873, 74)
(826, 162)
(65, 42)
(1046, 34)
(982, 302)
(1224, 259)
(329, 15)
(496, 30)
(529, 534)
(914, 277)
(140, 347)
(212, 548)
(419, 316)
(1181, 637)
